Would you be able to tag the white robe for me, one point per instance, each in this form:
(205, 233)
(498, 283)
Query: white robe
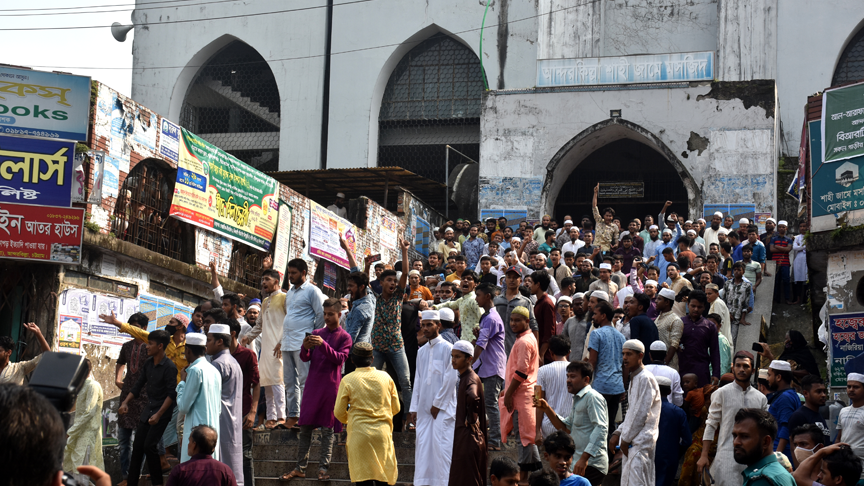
(435, 386)
(725, 402)
(269, 327)
(640, 430)
(231, 418)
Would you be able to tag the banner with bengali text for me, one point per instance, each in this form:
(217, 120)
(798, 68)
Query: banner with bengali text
(42, 104)
(836, 187)
(324, 231)
(36, 171)
(41, 233)
(843, 123)
(847, 345)
(217, 191)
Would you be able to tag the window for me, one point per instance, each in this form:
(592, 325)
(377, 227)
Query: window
(246, 265)
(433, 99)
(234, 104)
(851, 65)
(101, 283)
(141, 212)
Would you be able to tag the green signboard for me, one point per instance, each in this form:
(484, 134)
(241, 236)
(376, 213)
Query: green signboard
(843, 123)
(836, 186)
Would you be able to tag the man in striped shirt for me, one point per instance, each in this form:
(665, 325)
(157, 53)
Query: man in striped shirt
(781, 245)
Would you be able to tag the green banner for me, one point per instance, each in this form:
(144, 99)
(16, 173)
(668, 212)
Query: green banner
(219, 192)
(843, 123)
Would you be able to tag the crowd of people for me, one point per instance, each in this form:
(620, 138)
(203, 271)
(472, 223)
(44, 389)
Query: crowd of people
(588, 350)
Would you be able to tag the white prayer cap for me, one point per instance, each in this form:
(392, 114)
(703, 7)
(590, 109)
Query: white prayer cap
(429, 315)
(667, 230)
(605, 266)
(515, 238)
(448, 230)
(688, 221)
(579, 295)
(668, 294)
(437, 229)
(763, 374)
(446, 314)
(743, 221)
(700, 220)
(635, 345)
(670, 218)
(254, 306)
(600, 295)
(663, 381)
(723, 230)
(691, 232)
(650, 282)
(780, 365)
(658, 346)
(852, 377)
(564, 298)
(567, 221)
(457, 283)
(196, 339)
(782, 223)
(339, 195)
(772, 220)
(219, 329)
(541, 256)
(718, 213)
(653, 227)
(414, 272)
(465, 347)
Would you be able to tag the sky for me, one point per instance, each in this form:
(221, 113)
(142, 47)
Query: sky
(74, 50)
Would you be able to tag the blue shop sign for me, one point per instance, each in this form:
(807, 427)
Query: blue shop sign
(652, 68)
(36, 171)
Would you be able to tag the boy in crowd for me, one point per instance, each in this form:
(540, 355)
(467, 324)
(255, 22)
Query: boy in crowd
(558, 452)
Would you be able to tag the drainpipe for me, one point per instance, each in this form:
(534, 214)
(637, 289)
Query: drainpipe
(325, 97)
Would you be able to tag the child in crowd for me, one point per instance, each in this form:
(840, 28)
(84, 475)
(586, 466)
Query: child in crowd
(504, 471)
(558, 453)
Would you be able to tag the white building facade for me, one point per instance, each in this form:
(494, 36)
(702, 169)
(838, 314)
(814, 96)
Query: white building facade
(405, 80)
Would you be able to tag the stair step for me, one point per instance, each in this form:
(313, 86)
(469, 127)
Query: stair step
(289, 437)
(290, 452)
(338, 470)
(263, 481)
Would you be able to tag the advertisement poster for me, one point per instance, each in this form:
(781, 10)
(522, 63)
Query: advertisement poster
(41, 104)
(324, 230)
(283, 240)
(847, 344)
(169, 141)
(69, 334)
(41, 233)
(79, 178)
(159, 310)
(212, 247)
(97, 162)
(761, 219)
(843, 123)
(837, 186)
(82, 304)
(218, 192)
(422, 235)
(36, 171)
(388, 232)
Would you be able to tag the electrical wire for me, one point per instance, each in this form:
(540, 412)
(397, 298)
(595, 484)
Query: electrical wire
(185, 4)
(90, 6)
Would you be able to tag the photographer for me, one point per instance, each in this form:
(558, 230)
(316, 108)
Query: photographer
(15, 372)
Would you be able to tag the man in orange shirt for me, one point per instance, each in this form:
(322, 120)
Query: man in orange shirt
(415, 290)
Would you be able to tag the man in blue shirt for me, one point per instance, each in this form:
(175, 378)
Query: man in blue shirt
(604, 348)
(673, 437)
(782, 403)
(358, 321)
(303, 314)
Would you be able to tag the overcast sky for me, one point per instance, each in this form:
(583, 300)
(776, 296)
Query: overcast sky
(77, 51)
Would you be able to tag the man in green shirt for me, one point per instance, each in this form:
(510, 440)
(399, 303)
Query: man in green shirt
(753, 445)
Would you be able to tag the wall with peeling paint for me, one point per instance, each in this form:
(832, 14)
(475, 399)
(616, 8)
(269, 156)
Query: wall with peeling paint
(720, 137)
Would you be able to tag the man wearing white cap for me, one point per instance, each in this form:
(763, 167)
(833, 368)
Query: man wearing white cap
(231, 417)
(637, 435)
(770, 232)
(338, 206)
(434, 240)
(658, 368)
(784, 402)
(449, 243)
(850, 423)
(652, 242)
(433, 405)
(712, 231)
(562, 234)
(199, 392)
(780, 246)
(605, 283)
(573, 243)
(669, 326)
(697, 244)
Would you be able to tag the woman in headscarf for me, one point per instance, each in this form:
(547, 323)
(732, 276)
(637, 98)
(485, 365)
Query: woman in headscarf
(797, 353)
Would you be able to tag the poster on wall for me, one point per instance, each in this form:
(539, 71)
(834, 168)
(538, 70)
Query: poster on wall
(42, 104)
(41, 233)
(35, 171)
(761, 219)
(86, 306)
(217, 191)
(69, 334)
(169, 141)
(324, 231)
(159, 310)
(514, 216)
(389, 229)
(737, 211)
(836, 186)
(422, 236)
(843, 123)
(212, 247)
(283, 240)
(847, 345)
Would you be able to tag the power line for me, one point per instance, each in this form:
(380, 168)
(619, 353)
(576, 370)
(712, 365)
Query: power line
(46, 14)
(87, 6)
(313, 56)
(82, 27)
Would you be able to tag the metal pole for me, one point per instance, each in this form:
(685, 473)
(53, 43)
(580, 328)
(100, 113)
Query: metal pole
(446, 187)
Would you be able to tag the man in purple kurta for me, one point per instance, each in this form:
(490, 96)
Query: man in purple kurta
(327, 349)
(699, 342)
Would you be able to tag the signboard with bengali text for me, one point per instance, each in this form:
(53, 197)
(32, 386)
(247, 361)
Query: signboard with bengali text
(648, 68)
(843, 123)
(621, 190)
(41, 104)
(324, 230)
(835, 186)
(36, 171)
(847, 343)
(41, 233)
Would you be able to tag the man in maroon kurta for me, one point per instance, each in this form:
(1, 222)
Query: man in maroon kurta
(201, 469)
(251, 393)
(468, 465)
(327, 349)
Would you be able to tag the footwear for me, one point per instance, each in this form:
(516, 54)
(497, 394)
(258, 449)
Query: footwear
(322, 475)
(122, 483)
(163, 462)
(293, 474)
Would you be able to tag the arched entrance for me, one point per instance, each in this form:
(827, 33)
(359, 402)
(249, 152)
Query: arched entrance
(618, 151)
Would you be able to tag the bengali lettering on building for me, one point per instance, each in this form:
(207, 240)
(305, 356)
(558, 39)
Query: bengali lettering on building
(41, 233)
(847, 343)
(843, 123)
(216, 191)
(36, 171)
(41, 104)
(837, 185)
(654, 68)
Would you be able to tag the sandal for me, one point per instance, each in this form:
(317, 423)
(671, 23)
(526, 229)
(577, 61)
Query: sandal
(293, 474)
(322, 475)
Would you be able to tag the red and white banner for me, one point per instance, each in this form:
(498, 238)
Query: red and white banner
(44, 233)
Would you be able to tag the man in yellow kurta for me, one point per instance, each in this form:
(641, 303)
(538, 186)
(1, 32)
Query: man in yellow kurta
(373, 399)
(87, 429)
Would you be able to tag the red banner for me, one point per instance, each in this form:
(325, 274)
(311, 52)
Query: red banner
(41, 233)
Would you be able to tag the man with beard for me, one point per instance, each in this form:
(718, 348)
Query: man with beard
(754, 434)
(652, 242)
(725, 402)
(669, 326)
(510, 299)
(562, 235)
(449, 242)
(710, 234)
(573, 243)
(231, 416)
(699, 343)
(576, 328)
(540, 232)
(765, 238)
(784, 401)
(338, 206)
(677, 283)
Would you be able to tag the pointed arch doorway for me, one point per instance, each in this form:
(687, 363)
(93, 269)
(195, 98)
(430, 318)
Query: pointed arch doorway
(616, 151)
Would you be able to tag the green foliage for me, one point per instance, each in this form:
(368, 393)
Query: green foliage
(92, 226)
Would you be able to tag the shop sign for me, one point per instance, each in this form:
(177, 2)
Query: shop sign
(836, 186)
(41, 233)
(650, 68)
(843, 123)
(36, 171)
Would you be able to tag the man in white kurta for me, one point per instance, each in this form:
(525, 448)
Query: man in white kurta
(269, 327)
(435, 389)
(231, 416)
(640, 428)
(725, 403)
(199, 394)
(87, 429)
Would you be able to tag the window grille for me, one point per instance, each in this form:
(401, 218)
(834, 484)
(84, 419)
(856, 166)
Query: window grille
(851, 65)
(245, 265)
(433, 99)
(234, 104)
(141, 212)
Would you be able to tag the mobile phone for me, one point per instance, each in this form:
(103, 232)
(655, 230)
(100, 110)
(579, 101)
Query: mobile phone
(538, 392)
(375, 258)
(308, 334)
(757, 347)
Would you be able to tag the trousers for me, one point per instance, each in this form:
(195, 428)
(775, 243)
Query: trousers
(248, 468)
(491, 389)
(294, 373)
(305, 445)
(147, 438)
(274, 395)
(400, 366)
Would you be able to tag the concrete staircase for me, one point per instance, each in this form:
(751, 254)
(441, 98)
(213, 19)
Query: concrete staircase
(275, 453)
